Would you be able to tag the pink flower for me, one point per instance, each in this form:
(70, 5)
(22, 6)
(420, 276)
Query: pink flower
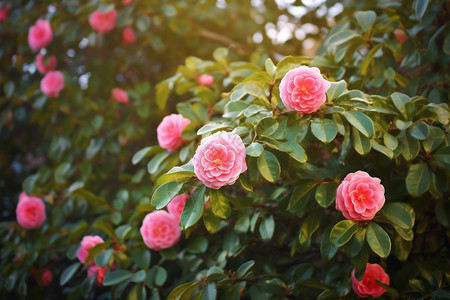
(100, 273)
(205, 79)
(30, 211)
(87, 243)
(359, 197)
(126, 2)
(47, 277)
(40, 35)
(52, 84)
(4, 12)
(103, 22)
(120, 95)
(400, 35)
(128, 35)
(220, 159)
(303, 89)
(160, 230)
(169, 131)
(176, 205)
(44, 68)
(368, 287)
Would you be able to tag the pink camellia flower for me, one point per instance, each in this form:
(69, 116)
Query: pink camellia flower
(4, 12)
(52, 84)
(128, 35)
(120, 95)
(40, 35)
(87, 243)
(169, 131)
(103, 22)
(176, 205)
(47, 277)
(220, 159)
(100, 273)
(30, 211)
(304, 89)
(205, 79)
(368, 287)
(126, 2)
(45, 68)
(359, 196)
(400, 35)
(160, 230)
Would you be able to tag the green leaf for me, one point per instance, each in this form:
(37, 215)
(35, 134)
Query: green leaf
(410, 146)
(382, 149)
(361, 143)
(400, 214)
(61, 172)
(266, 228)
(403, 104)
(327, 250)
(342, 37)
(434, 139)
(102, 258)
(198, 244)
(378, 240)
(309, 226)
(266, 126)
(162, 94)
(254, 149)
(219, 203)
(165, 193)
(185, 289)
(294, 150)
(8, 88)
(336, 89)
(123, 231)
(160, 275)
(360, 262)
(401, 248)
(360, 121)
(342, 232)
(390, 141)
(270, 67)
(86, 286)
(138, 156)
(209, 292)
(29, 183)
(193, 208)
(245, 268)
(326, 193)
(116, 277)
(369, 58)
(268, 166)
(324, 130)
(68, 273)
(210, 220)
(300, 195)
(419, 130)
(141, 257)
(443, 155)
(420, 6)
(154, 165)
(210, 127)
(418, 179)
(365, 19)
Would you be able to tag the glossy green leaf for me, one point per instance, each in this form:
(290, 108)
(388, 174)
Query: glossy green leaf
(324, 130)
(390, 141)
(365, 19)
(400, 214)
(378, 240)
(300, 195)
(68, 273)
(361, 143)
(309, 227)
(141, 257)
(420, 7)
(116, 277)
(410, 146)
(103, 257)
(336, 89)
(342, 37)
(342, 232)
(193, 208)
(254, 149)
(443, 155)
(418, 179)
(266, 228)
(219, 203)
(433, 140)
(165, 193)
(369, 59)
(419, 130)
(268, 166)
(361, 122)
(326, 193)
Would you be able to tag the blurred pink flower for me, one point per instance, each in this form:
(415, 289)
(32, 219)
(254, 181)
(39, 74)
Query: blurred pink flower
(205, 79)
(30, 211)
(120, 95)
(100, 273)
(52, 84)
(169, 131)
(126, 2)
(128, 36)
(368, 287)
(220, 159)
(160, 230)
(400, 35)
(176, 205)
(103, 22)
(87, 243)
(4, 12)
(47, 277)
(359, 196)
(40, 35)
(42, 67)
(303, 89)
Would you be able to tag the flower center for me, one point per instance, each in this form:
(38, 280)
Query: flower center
(361, 197)
(217, 162)
(303, 88)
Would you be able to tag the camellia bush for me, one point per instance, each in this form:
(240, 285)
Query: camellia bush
(178, 150)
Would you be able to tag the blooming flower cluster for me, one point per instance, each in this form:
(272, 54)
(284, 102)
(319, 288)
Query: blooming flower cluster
(30, 211)
(87, 243)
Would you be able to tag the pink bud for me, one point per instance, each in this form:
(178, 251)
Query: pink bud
(205, 79)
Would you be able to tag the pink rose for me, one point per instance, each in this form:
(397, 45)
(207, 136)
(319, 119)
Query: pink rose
(100, 273)
(205, 79)
(47, 277)
(359, 197)
(176, 205)
(52, 84)
(30, 211)
(220, 159)
(120, 95)
(45, 68)
(103, 22)
(40, 35)
(304, 89)
(160, 230)
(87, 243)
(128, 35)
(4, 12)
(368, 287)
(169, 131)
